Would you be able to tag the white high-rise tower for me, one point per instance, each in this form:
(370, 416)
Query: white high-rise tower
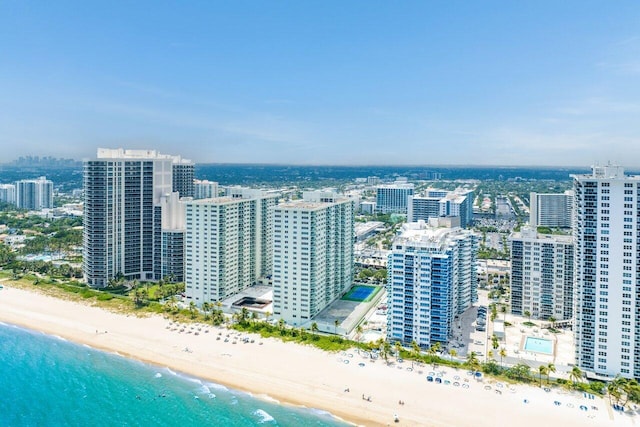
(607, 331)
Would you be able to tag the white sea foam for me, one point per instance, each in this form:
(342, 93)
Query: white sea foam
(264, 416)
(158, 375)
(217, 386)
(268, 398)
(170, 371)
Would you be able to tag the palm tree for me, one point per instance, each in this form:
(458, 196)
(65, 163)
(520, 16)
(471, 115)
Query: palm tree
(281, 325)
(398, 347)
(542, 370)
(206, 306)
(575, 375)
(267, 314)
(528, 314)
(359, 332)
(314, 328)
(335, 324)
(415, 351)
(192, 309)
(550, 368)
(552, 320)
(433, 350)
(494, 342)
(453, 353)
(472, 361)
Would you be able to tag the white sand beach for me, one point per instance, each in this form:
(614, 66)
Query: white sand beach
(302, 375)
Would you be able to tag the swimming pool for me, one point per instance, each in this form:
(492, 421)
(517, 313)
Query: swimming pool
(538, 345)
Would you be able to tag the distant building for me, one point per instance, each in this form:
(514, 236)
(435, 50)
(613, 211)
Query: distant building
(8, 193)
(205, 189)
(432, 279)
(312, 256)
(373, 180)
(541, 274)
(551, 210)
(607, 272)
(229, 243)
(183, 172)
(128, 203)
(442, 203)
(34, 194)
(393, 198)
(367, 208)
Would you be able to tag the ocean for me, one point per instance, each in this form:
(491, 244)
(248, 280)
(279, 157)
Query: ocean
(48, 381)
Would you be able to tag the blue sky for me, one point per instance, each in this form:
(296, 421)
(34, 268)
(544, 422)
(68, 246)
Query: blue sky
(324, 82)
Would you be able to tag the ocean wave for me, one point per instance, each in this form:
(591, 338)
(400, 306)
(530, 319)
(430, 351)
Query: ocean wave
(217, 386)
(171, 372)
(58, 337)
(267, 398)
(264, 416)
(157, 375)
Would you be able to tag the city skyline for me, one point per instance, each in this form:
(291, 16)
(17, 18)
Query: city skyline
(333, 83)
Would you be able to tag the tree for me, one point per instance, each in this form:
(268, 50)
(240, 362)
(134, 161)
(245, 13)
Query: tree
(192, 309)
(359, 332)
(551, 368)
(206, 306)
(552, 320)
(415, 351)
(398, 347)
(453, 353)
(528, 314)
(281, 326)
(314, 328)
(335, 324)
(575, 375)
(542, 370)
(472, 362)
(494, 342)
(503, 354)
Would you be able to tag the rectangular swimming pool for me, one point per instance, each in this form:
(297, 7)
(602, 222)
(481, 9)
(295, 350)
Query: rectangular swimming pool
(538, 345)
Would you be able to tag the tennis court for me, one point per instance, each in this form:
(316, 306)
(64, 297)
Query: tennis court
(361, 293)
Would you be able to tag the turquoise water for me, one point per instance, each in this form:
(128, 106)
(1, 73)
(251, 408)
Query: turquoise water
(47, 381)
(539, 345)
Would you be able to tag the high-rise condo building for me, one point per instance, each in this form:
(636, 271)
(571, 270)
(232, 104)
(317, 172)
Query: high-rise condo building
(183, 173)
(205, 189)
(606, 230)
(125, 193)
(442, 203)
(551, 210)
(8, 193)
(34, 194)
(432, 279)
(393, 198)
(229, 244)
(541, 274)
(312, 255)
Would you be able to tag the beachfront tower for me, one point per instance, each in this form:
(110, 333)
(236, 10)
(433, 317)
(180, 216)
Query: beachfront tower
(124, 195)
(229, 244)
(607, 281)
(541, 274)
(432, 279)
(312, 255)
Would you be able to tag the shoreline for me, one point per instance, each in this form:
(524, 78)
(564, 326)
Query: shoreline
(303, 376)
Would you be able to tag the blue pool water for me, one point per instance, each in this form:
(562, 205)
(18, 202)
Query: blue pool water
(538, 345)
